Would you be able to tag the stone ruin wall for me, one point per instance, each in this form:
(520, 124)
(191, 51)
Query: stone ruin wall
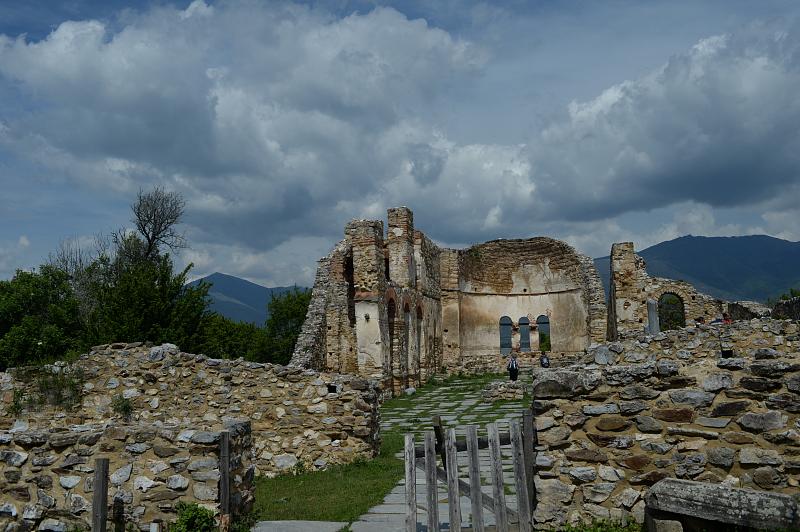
(48, 474)
(646, 408)
(631, 287)
(518, 278)
(295, 417)
(347, 327)
(787, 309)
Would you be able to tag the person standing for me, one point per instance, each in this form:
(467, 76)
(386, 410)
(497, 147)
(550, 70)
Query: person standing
(513, 367)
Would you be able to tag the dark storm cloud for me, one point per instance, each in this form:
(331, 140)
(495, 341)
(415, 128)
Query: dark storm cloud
(279, 122)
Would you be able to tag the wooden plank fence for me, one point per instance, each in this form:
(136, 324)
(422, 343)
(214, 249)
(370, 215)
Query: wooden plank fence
(521, 437)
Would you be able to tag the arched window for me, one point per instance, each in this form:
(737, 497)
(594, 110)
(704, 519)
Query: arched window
(419, 356)
(671, 312)
(505, 335)
(407, 360)
(524, 334)
(392, 316)
(543, 326)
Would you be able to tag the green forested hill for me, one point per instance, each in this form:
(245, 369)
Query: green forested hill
(238, 299)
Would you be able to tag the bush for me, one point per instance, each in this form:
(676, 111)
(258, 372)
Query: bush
(193, 518)
(122, 406)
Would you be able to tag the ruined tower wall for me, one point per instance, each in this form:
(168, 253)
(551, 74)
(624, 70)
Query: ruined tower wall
(400, 243)
(449, 267)
(369, 279)
(631, 287)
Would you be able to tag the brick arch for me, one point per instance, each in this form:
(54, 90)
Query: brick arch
(682, 297)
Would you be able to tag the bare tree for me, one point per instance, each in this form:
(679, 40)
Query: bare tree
(75, 259)
(155, 214)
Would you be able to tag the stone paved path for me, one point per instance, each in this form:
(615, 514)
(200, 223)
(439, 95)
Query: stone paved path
(459, 404)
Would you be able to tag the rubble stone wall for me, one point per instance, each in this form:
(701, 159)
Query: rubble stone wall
(787, 309)
(526, 279)
(650, 407)
(48, 474)
(299, 417)
(631, 287)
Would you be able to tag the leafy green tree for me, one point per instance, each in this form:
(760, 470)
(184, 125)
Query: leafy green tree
(39, 319)
(221, 337)
(287, 312)
(793, 292)
(140, 297)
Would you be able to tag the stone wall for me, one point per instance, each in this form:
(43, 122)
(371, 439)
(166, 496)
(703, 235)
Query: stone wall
(48, 474)
(524, 279)
(631, 287)
(787, 309)
(298, 416)
(636, 411)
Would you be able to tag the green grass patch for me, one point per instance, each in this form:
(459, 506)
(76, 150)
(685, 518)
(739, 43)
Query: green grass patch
(605, 526)
(340, 493)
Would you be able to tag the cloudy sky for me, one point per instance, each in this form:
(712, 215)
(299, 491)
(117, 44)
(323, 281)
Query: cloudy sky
(593, 122)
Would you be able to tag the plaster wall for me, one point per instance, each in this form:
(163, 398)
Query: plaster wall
(371, 345)
(480, 314)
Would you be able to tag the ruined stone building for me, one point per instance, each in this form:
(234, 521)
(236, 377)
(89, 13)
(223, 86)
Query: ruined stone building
(394, 306)
(631, 288)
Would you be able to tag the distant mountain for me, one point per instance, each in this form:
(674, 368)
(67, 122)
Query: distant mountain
(733, 268)
(240, 300)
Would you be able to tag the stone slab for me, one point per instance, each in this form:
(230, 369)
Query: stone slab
(298, 526)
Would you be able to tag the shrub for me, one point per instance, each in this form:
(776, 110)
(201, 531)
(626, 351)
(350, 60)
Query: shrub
(193, 518)
(122, 406)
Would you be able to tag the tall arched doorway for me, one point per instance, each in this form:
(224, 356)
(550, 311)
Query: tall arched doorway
(407, 359)
(505, 335)
(391, 312)
(671, 312)
(524, 334)
(418, 351)
(543, 327)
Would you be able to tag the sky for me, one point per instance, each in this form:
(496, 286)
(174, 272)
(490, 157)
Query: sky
(278, 122)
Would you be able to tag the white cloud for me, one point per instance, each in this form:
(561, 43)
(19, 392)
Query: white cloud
(23, 241)
(279, 122)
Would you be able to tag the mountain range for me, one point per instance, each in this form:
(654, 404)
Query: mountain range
(734, 268)
(238, 299)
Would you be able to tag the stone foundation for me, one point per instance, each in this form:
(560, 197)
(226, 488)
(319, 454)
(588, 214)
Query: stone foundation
(652, 407)
(48, 474)
(506, 390)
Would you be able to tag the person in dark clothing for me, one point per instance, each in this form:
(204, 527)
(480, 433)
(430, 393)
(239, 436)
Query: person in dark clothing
(513, 367)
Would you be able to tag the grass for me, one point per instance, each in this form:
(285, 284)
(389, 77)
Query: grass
(343, 493)
(340, 493)
(605, 526)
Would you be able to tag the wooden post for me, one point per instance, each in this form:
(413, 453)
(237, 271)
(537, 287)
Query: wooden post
(474, 479)
(496, 463)
(453, 495)
(100, 495)
(411, 484)
(519, 478)
(432, 496)
(225, 481)
(528, 435)
(439, 432)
